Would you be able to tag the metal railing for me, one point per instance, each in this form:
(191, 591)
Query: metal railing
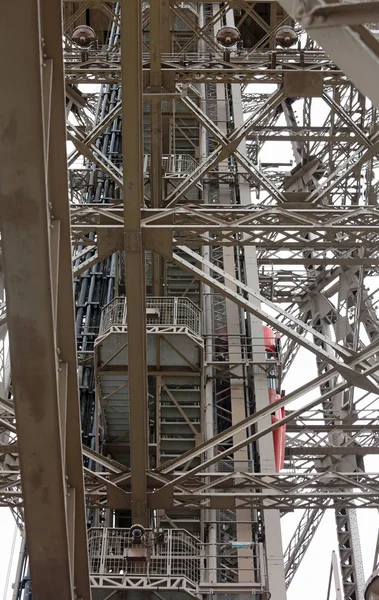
(113, 313)
(174, 165)
(160, 312)
(236, 562)
(175, 554)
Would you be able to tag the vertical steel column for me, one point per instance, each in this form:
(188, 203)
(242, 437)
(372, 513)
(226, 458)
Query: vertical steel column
(132, 145)
(272, 532)
(51, 20)
(209, 409)
(37, 266)
(237, 386)
(156, 127)
(209, 426)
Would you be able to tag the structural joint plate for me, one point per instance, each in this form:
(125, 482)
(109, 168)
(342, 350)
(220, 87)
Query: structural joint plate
(133, 241)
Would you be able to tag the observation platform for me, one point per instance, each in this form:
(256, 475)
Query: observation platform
(164, 316)
(170, 562)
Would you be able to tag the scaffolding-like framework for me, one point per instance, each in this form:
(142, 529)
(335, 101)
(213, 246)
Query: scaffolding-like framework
(219, 217)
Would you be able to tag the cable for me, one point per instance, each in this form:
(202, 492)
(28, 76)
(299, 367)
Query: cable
(10, 564)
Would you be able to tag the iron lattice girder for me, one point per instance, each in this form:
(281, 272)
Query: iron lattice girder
(97, 130)
(170, 466)
(255, 490)
(300, 541)
(362, 440)
(285, 491)
(297, 229)
(251, 68)
(345, 370)
(115, 474)
(349, 234)
(232, 238)
(340, 172)
(229, 146)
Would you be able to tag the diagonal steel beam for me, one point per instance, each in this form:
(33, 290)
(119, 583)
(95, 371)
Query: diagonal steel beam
(109, 13)
(345, 370)
(199, 33)
(214, 130)
(100, 127)
(166, 468)
(257, 296)
(348, 120)
(77, 14)
(94, 154)
(209, 25)
(300, 541)
(225, 148)
(300, 392)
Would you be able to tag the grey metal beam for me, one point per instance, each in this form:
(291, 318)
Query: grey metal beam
(332, 450)
(33, 252)
(64, 302)
(132, 143)
(156, 41)
(331, 228)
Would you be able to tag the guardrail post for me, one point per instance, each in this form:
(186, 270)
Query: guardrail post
(175, 319)
(262, 566)
(124, 314)
(103, 550)
(169, 552)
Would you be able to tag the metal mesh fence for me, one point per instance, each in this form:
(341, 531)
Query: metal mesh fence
(236, 563)
(173, 553)
(113, 313)
(164, 311)
(174, 165)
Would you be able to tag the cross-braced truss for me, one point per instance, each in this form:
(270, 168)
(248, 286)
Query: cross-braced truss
(237, 184)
